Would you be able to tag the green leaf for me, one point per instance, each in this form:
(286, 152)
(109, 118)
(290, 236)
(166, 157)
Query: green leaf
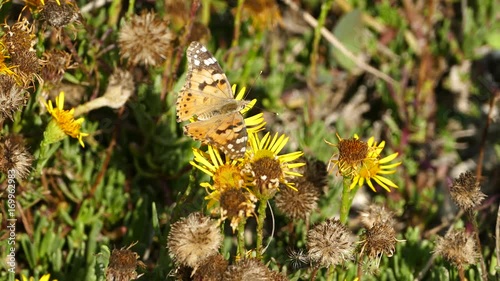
(349, 31)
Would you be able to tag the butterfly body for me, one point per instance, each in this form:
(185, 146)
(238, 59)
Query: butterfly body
(208, 100)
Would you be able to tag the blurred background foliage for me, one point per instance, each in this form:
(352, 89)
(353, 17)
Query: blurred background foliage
(436, 79)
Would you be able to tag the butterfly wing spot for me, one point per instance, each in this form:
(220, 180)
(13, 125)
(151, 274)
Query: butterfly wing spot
(208, 98)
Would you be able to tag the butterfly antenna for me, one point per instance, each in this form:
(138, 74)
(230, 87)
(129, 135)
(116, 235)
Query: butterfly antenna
(252, 85)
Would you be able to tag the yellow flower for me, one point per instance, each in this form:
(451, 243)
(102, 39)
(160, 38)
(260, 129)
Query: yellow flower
(253, 123)
(375, 168)
(361, 162)
(229, 187)
(267, 167)
(57, 1)
(4, 68)
(45, 277)
(351, 154)
(63, 123)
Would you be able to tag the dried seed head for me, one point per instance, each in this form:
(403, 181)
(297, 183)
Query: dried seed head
(378, 240)
(20, 39)
(300, 203)
(466, 192)
(121, 86)
(248, 269)
(329, 243)
(237, 204)
(212, 269)
(376, 214)
(145, 39)
(54, 65)
(123, 264)
(60, 14)
(277, 276)
(457, 247)
(14, 156)
(316, 172)
(12, 97)
(193, 239)
(298, 259)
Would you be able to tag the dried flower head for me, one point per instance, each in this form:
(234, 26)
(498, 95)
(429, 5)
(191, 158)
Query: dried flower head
(121, 86)
(54, 65)
(278, 276)
(267, 167)
(378, 240)
(12, 97)
(60, 13)
(329, 243)
(466, 192)
(14, 156)
(123, 264)
(248, 269)
(298, 259)
(237, 204)
(300, 203)
(212, 269)
(145, 39)
(457, 247)
(375, 213)
(194, 239)
(20, 39)
(314, 171)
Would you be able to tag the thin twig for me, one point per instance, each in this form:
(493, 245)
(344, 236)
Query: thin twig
(497, 234)
(236, 33)
(337, 44)
(480, 159)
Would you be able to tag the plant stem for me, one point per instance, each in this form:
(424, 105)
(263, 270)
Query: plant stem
(236, 34)
(312, 79)
(241, 238)
(346, 201)
(261, 217)
(331, 272)
(325, 8)
(472, 219)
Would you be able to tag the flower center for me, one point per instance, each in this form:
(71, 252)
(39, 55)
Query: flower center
(369, 168)
(228, 176)
(231, 200)
(267, 172)
(66, 122)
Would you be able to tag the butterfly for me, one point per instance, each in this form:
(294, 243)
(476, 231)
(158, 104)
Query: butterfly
(207, 98)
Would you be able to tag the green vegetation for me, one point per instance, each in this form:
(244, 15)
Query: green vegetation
(372, 152)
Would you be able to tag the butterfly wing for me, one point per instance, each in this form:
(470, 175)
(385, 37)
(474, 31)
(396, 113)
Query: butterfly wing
(227, 132)
(206, 88)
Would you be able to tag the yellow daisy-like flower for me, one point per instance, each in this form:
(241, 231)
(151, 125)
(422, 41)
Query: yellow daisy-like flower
(361, 162)
(351, 154)
(374, 168)
(57, 1)
(228, 185)
(63, 123)
(4, 68)
(45, 277)
(267, 167)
